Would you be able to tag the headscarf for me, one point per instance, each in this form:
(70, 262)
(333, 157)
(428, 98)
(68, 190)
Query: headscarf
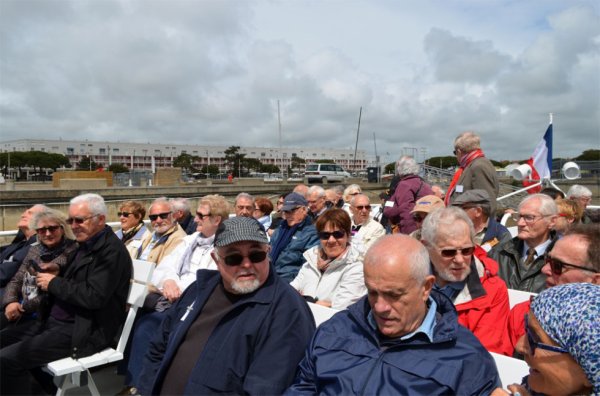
(570, 315)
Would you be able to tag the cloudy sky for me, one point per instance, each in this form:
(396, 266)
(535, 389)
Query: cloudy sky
(211, 72)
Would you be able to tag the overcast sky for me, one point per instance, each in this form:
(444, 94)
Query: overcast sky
(211, 72)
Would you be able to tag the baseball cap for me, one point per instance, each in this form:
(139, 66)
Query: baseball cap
(427, 204)
(239, 229)
(293, 200)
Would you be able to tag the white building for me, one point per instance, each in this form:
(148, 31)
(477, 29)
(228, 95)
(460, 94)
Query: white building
(140, 155)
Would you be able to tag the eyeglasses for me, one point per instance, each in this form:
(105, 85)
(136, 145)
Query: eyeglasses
(44, 230)
(124, 214)
(79, 220)
(528, 219)
(557, 266)
(418, 219)
(363, 207)
(237, 259)
(201, 216)
(454, 151)
(163, 216)
(354, 193)
(449, 253)
(534, 342)
(323, 235)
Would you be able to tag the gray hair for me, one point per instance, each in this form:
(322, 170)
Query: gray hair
(339, 189)
(54, 216)
(94, 202)
(161, 201)
(467, 142)
(182, 204)
(547, 206)
(577, 190)
(244, 195)
(320, 191)
(358, 196)
(406, 165)
(443, 220)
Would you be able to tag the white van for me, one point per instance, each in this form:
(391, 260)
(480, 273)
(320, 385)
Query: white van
(325, 173)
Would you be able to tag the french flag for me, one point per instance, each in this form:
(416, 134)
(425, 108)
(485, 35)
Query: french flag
(540, 162)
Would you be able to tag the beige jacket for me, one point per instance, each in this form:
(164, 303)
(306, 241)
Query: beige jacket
(167, 243)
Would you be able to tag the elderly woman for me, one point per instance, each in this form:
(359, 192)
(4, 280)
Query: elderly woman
(561, 342)
(262, 211)
(333, 273)
(131, 215)
(408, 190)
(55, 239)
(568, 214)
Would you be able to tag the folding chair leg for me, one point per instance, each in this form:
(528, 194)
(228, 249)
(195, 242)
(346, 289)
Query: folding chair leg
(91, 384)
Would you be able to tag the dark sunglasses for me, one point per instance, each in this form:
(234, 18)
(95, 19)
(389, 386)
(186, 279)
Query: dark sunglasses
(557, 266)
(448, 253)
(534, 343)
(79, 220)
(363, 207)
(202, 216)
(163, 216)
(124, 214)
(236, 259)
(323, 235)
(44, 230)
(418, 219)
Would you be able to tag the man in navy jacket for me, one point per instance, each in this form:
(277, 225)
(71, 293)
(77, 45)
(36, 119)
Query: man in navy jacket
(402, 338)
(238, 330)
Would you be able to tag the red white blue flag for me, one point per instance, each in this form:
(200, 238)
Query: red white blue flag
(540, 162)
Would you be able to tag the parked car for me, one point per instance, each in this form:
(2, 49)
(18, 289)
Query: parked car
(325, 173)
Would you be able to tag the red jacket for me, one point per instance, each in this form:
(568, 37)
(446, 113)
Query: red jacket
(516, 323)
(483, 306)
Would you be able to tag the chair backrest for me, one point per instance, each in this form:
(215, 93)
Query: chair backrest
(511, 370)
(321, 313)
(138, 290)
(518, 296)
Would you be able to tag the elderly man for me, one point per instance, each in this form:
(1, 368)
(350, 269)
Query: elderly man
(521, 258)
(316, 202)
(401, 339)
(466, 276)
(575, 258)
(475, 170)
(295, 235)
(365, 230)
(240, 330)
(176, 272)
(88, 304)
(477, 204)
(13, 255)
(182, 215)
(244, 205)
(166, 233)
(583, 196)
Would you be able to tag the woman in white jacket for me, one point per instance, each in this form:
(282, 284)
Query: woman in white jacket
(333, 273)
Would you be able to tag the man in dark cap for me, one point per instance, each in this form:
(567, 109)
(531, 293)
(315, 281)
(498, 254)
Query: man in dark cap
(238, 330)
(478, 206)
(295, 235)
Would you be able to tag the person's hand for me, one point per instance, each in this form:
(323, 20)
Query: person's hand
(170, 290)
(516, 389)
(13, 311)
(50, 268)
(43, 279)
(324, 303)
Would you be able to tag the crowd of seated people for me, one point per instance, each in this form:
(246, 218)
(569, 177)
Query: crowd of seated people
(241, 274)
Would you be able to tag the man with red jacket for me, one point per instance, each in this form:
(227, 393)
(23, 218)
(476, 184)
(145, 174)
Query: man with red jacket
(467, 276)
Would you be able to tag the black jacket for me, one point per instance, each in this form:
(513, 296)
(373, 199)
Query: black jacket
(96, 286)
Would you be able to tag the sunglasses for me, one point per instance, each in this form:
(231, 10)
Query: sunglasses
(363, 207)
(323, 235)
(557, 266)
(79, 220)
(534, 342)
(202, 216)
(124, 214)
(449, 253)
(163, 216)
(418, 219)
(236, 259)
(44, 230)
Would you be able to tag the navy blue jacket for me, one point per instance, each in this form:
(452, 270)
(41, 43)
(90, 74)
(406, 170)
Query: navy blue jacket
(291, 258)
(345, 358)
(496, 230)
(12, 257)
(254, 349)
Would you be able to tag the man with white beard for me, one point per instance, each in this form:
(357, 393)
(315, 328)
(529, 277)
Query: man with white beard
(242, 319)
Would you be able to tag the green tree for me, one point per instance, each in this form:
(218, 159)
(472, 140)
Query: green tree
(234, 158)
(118, 168)
(269, 168)
(298, 163)
(442, 162)
(252, 164)
(390, 168)
(87, 163)
(210, 169)
(184, 161)
(325, 161)
(589, 155)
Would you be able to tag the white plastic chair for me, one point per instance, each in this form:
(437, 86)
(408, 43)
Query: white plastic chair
(511, 370)
(321, 313)
(518, 296)
(72, 373)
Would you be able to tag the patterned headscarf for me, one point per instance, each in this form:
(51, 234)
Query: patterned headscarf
(570, 315)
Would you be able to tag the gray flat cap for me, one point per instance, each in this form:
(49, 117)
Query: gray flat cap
(239, 229)
(476, 197)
